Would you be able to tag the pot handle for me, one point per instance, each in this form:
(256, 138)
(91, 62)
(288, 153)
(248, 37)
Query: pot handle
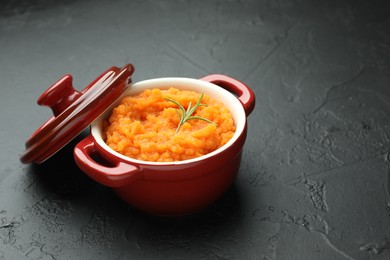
(244, 94)
(120, 174)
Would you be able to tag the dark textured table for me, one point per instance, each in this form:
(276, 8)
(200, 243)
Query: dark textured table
(314, 178)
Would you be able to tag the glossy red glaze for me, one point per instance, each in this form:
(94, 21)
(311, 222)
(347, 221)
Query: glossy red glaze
(175, 188)
(117, 174)
(59, 96)
(73, 111)
(165, 189)
(243, 92)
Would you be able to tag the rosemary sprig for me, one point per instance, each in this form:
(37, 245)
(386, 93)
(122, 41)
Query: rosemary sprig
(186, 115)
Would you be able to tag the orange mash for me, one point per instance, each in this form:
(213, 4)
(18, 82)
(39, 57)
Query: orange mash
(144, 126)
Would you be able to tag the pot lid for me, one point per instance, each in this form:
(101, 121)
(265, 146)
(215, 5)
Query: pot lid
(73, 111)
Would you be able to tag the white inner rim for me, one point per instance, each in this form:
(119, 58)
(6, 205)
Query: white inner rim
(214, 91)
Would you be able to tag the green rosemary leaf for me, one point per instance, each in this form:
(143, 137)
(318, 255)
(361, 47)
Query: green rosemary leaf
(186, 115)
(201, 118)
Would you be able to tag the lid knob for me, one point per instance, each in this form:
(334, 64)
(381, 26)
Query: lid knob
(60, 95)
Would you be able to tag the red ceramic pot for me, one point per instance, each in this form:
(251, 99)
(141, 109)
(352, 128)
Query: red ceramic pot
(171, 188)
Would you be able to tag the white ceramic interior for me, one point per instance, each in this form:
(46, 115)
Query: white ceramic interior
(214, 91)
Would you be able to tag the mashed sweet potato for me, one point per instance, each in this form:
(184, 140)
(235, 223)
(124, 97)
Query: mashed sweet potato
(144, 126)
